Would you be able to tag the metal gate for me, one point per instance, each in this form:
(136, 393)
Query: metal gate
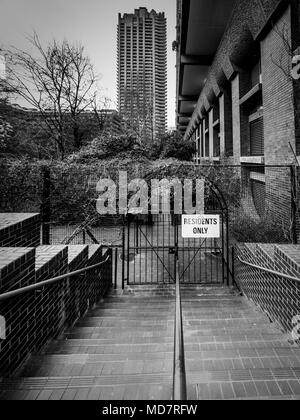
(154, 243)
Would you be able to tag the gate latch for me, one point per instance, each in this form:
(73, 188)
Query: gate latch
(172, 251)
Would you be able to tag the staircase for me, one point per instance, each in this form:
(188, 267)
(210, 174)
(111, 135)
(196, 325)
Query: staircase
(123, 350)
(232, 350)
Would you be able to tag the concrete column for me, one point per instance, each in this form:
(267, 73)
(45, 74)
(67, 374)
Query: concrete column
(200, 139)
(211, 133)
(222, 125)
(226, 123)
(236, 119)
(203, 137)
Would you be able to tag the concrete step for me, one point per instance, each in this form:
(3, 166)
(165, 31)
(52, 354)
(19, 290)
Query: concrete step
(123, 349)
(142, 362)
(75, 347)
(106, 387)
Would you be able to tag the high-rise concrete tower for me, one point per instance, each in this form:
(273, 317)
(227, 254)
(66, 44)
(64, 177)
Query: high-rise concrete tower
(142, 71)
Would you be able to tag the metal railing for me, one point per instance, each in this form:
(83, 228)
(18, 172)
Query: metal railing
(179, 372)
(269, 271)
(39, 310)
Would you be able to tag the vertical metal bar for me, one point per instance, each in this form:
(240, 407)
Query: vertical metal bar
(146, 254)
(227, 246)
(123, 254)
(136, 234)
(233, 265)
(294, 204)
(142, 242)
(212, 280)
(223, 250)
(116, 268)
(46, 205)
(158, 262)
(128, 249)
(151, 251)
(179, 371)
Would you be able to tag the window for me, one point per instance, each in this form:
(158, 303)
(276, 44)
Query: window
(258, 190)
(257, 137)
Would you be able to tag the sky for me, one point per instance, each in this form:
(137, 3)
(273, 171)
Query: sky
(93, 23)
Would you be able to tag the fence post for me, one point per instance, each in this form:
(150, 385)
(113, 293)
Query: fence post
(46, 205)
(294, 204)
(123, 254)
(233, 266)
(116, 267)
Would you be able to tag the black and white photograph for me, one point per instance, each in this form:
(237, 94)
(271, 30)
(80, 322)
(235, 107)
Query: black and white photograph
(149, 204)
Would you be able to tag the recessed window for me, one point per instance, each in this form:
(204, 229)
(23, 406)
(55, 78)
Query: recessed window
(258, 190)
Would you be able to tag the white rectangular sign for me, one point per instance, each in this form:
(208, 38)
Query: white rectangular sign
(201, 226)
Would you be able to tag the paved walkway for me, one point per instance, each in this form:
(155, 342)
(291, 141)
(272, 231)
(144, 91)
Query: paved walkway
(123, 349)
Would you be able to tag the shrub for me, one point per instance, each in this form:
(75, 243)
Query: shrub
(107, 147)
(244, 228)
(174, 146)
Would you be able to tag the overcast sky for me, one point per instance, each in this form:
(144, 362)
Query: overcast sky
(91, 22)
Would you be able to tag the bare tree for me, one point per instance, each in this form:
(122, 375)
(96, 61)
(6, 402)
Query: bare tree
(100, 107)
(5, 127)
(57, 80)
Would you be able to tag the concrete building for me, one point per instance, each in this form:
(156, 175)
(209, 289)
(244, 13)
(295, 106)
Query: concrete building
(236, 97)
(2, 67)
(142, 71)
(235, 93)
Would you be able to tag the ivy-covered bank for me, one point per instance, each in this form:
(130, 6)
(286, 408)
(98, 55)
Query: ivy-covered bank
(68, 189)
(73, 184)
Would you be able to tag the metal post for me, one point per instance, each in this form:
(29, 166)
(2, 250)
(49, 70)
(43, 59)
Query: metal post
(137, 236)
(233, 265)
(227, 246)
(123, 255)
(294, 205)
(116, 268)
(128, 248)
(46, 206)
(223, 249)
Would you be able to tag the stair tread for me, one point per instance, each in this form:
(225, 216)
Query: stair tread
(123, 349)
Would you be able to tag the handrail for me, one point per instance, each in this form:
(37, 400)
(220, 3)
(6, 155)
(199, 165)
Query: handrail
(267, 270)
(179, 373)
(37, 286)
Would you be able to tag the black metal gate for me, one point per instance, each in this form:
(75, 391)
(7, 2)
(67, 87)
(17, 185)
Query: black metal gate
(154, 243)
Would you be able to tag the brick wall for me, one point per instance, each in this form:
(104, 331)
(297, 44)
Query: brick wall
(95, 293)
(49, 319)
(76, 292)
(17, 269)
(278, 297)
(278, 93)
(19, 230)
(37, 317)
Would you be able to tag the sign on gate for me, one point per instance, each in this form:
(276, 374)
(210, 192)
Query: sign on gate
(201, 226)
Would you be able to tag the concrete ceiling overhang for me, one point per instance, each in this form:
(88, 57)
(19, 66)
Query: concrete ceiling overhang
(203, 23)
